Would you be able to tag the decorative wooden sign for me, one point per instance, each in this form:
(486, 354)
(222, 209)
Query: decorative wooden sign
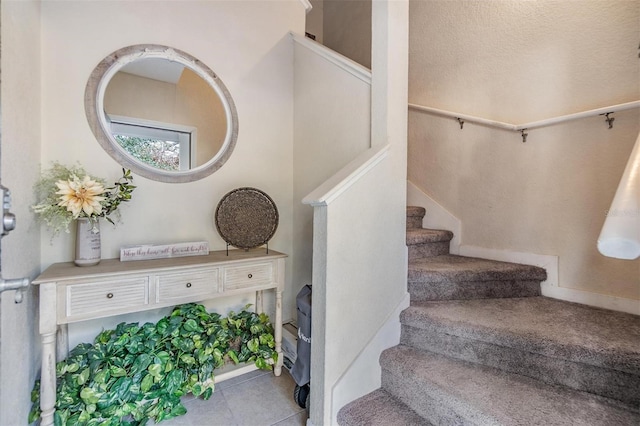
(163, 251)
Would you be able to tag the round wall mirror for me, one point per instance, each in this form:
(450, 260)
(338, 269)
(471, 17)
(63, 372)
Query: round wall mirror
(161, 113)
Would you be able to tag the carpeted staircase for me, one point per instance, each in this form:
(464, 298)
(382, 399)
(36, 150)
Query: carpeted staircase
(481, 346)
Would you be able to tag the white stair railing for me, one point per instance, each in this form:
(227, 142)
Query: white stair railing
(522, 128)
(355, 247)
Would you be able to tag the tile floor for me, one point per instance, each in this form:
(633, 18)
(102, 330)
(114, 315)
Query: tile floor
(257, 398)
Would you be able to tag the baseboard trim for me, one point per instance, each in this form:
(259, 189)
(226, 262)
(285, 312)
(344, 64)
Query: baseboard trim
(548, 262)
(364, 374)
(630, 306)
(550, 287)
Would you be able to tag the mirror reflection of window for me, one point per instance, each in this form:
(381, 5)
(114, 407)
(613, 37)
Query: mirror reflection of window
(167, 92)
(159, 145)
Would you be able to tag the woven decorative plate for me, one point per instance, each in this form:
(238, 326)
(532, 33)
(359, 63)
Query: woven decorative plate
(246, 218)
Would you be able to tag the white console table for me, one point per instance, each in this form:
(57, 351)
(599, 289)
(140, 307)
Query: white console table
(69, 294)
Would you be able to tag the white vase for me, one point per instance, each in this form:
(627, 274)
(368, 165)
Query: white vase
(88, 248)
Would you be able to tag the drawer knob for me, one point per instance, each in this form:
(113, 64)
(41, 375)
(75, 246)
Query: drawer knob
(250, 275)
(188, 285)
(109, 295)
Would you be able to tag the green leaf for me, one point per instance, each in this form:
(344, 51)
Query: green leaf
(234, 356)
(162, 357)
(190, 325)
(141, 363)
(34, 414)
(253, 345)
(89, 396)
(102, 376)
(146, 383)
(128, 408)
(267, 339)
(162, 326)
(188, 359)
(261, 363)
(183, 344)
(178, 410)
(83, 376)
(173, 381)
(207, 393)
(205, 373)
(84, 417)
(117, 371)
(155, 370)
(192, 380)
(58, 420)
(197, 389)
(72, 368)
(74, 419)
(135, 345)
(107, 403)
(122, 388)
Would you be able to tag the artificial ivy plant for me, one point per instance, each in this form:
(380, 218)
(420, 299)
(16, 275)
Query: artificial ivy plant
(135, 373)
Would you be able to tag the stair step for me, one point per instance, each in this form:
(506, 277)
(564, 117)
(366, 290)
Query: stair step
(557, 342)
(448, 391)
(415, 215)
(423, 235)
(460, 268)
(378, 408)
(427, 242)
(449, 277)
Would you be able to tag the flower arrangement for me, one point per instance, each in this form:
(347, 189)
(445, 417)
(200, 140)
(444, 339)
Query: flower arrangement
(68, 193)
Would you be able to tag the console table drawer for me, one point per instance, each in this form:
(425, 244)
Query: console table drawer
(174, 287)
(115, 296)
(249, 276)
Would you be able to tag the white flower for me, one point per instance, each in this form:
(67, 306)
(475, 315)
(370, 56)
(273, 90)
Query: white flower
(81, 196)
(64, 196)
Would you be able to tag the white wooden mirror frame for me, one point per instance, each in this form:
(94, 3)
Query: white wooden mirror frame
(94, 109)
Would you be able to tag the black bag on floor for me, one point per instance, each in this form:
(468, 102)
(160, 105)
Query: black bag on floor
(302, 367)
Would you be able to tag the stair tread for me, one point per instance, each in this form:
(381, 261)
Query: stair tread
(450, 267)
(424, 235)
(481, 395)
(541, 325)
(378, 408)
(416, 211)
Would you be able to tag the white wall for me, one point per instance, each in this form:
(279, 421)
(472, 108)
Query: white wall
(314, 20)
(520, 62)
(346, 28)
(359, 247)
(332, 123)
(246, 43)
(20, 151)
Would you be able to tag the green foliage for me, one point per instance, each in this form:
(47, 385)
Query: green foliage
(135, 373)
(120, 192)
(160, 154)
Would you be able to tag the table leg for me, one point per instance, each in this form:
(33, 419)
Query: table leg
(278, 331)
(48, 332)
(48, 378)
(259, 304)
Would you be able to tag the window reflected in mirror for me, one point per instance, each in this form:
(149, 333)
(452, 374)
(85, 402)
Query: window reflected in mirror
(165, 115)
(155, 144)
(161, 112)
